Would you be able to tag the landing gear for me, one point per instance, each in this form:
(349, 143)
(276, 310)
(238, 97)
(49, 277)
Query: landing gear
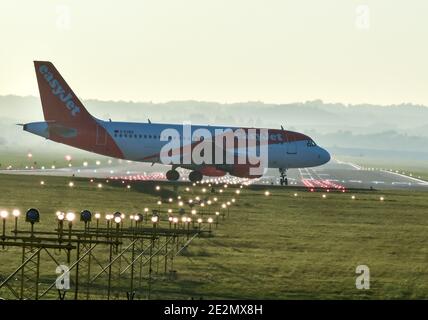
(195, 176)
(172, 175)
(283, 175)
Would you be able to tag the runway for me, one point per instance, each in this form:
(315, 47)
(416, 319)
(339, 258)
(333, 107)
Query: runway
(338, 175)
(334, 176)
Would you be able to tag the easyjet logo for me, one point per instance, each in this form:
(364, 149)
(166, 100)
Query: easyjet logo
(59, 91)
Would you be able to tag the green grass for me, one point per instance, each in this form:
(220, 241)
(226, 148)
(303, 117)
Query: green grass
(276, 247)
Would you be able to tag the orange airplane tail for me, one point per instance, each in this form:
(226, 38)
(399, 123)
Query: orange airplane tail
(67, 119)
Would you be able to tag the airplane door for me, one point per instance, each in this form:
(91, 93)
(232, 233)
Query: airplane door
(291, 144)
(101, 136)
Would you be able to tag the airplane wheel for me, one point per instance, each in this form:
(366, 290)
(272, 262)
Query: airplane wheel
(195, 176)
(172, 175)
(286, 181)
(281, 181)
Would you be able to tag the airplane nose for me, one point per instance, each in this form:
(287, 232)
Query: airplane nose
(325, 156)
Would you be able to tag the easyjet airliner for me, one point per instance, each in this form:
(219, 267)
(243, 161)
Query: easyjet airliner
(67, 121)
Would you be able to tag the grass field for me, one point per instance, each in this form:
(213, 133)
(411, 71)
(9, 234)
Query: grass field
(270, 247)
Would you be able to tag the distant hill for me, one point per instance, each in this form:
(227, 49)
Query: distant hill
(400, 128)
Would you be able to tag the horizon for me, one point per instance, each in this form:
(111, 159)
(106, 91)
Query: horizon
(344, 104)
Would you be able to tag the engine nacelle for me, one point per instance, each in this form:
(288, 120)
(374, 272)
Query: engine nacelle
(212, 172)
(243, 171)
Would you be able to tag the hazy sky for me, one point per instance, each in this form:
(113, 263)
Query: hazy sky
(221, 50)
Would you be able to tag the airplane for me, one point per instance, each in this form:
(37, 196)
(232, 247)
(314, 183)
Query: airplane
(67, 121)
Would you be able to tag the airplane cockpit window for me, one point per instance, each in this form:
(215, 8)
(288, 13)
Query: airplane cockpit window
(311, 143)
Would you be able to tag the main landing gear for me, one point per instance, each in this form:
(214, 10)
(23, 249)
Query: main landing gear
(172, 175)
(283, 175)
(195, 176)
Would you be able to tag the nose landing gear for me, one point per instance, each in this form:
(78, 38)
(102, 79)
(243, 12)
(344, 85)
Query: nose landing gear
(283, 175)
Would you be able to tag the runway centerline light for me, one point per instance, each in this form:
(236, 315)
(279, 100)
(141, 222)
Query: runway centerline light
(267, 193)
(324, 196)
(71, 184)
(381, 198)
(353, 197)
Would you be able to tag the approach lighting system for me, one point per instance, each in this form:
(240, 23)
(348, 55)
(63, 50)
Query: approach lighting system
(32, 216)
(86, 216)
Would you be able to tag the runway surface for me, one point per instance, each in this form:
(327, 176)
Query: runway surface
(334, 176)
(338, 175)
